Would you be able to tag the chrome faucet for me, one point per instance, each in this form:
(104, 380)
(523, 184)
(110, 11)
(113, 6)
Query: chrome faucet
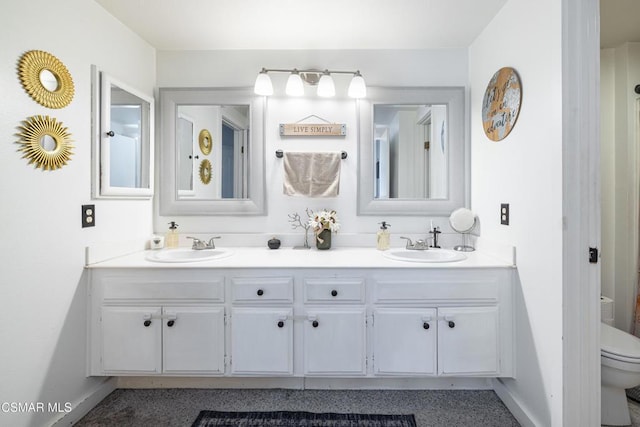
(419, 245)
(199, 245)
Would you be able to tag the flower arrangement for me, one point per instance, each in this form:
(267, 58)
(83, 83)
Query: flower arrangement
(324, 220)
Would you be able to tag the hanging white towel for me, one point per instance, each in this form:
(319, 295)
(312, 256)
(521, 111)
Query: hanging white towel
(311, 174)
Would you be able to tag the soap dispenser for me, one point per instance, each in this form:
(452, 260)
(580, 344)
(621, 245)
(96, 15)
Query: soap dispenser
(171, 238)
(384, 237)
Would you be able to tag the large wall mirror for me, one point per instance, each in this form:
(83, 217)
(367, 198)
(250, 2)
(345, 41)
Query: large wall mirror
(122, 139)
(212, 152)
(412, 151)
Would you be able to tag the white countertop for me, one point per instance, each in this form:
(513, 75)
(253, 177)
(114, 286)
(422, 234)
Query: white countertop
(287, 257)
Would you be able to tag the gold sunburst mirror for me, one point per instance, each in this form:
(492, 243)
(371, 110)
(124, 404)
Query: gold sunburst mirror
(46, 79)
(205, 171)
(205, 141)
(45, 142)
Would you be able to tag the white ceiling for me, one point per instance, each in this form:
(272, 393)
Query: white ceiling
(619, 22)
(305, 24)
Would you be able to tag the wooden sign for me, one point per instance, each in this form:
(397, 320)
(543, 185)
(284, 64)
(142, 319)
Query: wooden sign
(313, 129)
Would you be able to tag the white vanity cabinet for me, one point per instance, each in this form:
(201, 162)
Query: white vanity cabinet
(335, 326)
(405, 341)
(326, 324)
(262, 326)
(468, 342)
(446, 324)
(156, 324)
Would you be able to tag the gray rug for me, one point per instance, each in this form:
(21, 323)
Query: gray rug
(634, 393)
(300, 419)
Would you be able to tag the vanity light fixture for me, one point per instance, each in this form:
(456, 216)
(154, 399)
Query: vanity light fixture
(322, 79)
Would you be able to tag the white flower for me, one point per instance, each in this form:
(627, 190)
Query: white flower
(324, 220)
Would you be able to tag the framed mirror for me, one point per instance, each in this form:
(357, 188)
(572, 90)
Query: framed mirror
(224, 127)
(123, 128)
(412, 151)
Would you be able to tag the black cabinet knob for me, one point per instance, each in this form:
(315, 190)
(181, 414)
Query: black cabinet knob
(147, 323)
(334, 293)
(426, 325)
(452, 324)
(111, 133)
(260, 292)
(280, 324)
(170, 323)
(315, 323)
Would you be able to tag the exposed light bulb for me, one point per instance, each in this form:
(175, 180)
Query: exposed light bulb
(263, 84)
(294, 84)
(326, 87)
(357, 87)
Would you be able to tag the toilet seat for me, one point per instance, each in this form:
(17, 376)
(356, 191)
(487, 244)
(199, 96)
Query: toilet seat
(619, 345)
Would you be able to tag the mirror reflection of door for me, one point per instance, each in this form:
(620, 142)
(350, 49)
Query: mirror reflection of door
(229, 128)
(126, 143)
(410, 158)
(185, 142)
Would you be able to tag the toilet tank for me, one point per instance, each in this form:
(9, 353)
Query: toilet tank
(606, 310)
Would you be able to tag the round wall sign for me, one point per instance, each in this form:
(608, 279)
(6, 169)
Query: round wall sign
(501, 104)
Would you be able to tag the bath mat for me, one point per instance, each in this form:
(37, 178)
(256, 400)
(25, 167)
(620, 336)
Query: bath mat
(634, 394)
(300, 419)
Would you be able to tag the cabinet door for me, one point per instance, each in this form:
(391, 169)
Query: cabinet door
(404, 341)
(131, 339)
(193, 340)
(334, 342)
(468, 341)
(262, 341)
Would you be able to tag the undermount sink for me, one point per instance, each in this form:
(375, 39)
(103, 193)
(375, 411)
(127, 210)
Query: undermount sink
(429, 255)
(187, 255)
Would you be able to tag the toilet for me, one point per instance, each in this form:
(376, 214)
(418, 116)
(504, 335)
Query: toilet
(620, 369)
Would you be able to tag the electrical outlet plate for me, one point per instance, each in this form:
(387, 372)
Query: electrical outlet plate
(88, 216)
(504, 213)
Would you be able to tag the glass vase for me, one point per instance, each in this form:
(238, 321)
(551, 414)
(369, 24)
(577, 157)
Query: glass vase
(323, 240)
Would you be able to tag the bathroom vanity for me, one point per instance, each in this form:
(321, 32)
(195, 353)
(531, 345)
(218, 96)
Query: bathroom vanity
(347, 312)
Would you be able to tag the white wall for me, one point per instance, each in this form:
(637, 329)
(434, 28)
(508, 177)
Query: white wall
(525, 170)
(42, 293)
(439, 67)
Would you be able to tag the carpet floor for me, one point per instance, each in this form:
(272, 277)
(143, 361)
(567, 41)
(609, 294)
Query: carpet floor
(180, 407)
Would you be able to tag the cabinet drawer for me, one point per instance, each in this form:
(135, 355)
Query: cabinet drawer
(200, 290)
(262, 289)
(335, 290)
(436, 291)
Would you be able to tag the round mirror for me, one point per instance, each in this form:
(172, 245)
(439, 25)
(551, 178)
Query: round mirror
(45, 142)
(462, 220)
(48, 143)
(49, 80)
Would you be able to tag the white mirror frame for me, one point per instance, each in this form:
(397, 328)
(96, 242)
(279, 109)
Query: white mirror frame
(100, 153)
(458, 166)
(170, 99)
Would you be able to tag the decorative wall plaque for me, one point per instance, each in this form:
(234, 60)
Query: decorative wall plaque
(313, 129)
(501, 104)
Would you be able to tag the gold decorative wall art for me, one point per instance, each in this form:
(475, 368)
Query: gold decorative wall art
(205, 141)
(205, 171)
(46, 79)
(45, 142)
